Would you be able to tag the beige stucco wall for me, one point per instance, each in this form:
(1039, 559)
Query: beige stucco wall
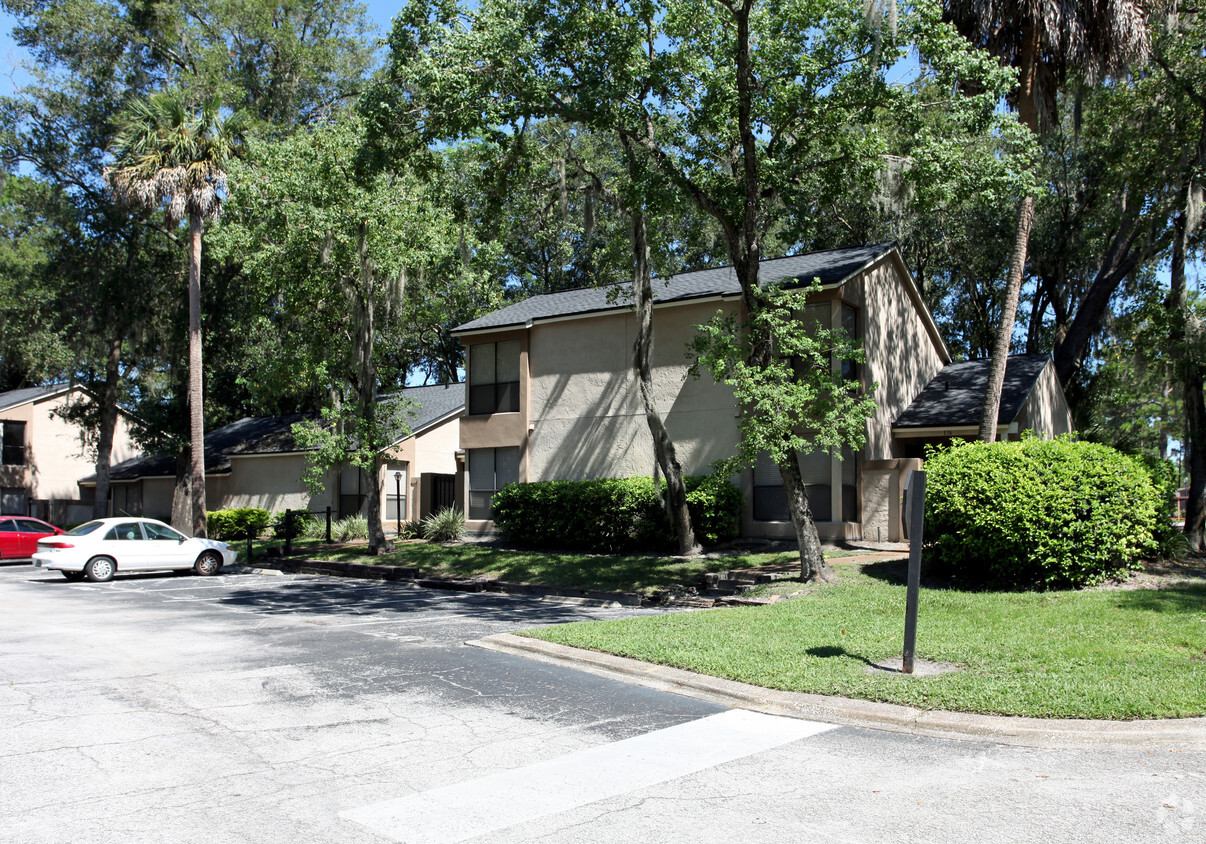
(1046, 410)
(902, 353)
(269, 481)
(58, 452)
(586, 414)
(431, 452)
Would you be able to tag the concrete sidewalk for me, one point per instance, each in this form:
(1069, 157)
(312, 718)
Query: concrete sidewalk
(1178, 733)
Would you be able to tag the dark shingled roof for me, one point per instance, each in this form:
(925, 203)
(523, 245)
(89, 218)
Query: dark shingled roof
(830, 267)
(274, 434)
(955, 396)
(14, 398)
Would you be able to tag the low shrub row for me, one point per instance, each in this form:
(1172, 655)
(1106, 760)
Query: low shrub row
(1045, 513)
(613, 515)
(233, 523)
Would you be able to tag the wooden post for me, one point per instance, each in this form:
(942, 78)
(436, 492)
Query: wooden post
(916, 519)
(288, 532)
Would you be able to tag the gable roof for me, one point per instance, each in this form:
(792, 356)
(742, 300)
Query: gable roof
(831, 267)
(954, 398)
(16, 398)
(265, 435)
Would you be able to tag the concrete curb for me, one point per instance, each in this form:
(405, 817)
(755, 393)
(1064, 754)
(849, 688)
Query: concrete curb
(1189, 733)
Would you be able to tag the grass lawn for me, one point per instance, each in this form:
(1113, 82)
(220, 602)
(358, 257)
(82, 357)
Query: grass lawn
(636, 574)
(1106, 653)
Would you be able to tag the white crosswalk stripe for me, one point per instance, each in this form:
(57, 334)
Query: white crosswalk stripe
(496, 802)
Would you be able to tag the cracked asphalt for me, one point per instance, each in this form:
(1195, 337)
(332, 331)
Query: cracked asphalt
(249, 708)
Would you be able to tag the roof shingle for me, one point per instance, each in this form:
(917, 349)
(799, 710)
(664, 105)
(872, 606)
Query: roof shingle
(954, 398)
(830, 267)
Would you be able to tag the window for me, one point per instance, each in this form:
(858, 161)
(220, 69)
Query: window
(819, 315)
(395, 493)
(127, 531)
(12, 444)
(351, 491)
(770, 499)
(162, 532)
(850, 327)
(12, 502)
(8, 526)
(494, 378)
(490, 469)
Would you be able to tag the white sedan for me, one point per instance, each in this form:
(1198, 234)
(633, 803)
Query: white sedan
(97, 549)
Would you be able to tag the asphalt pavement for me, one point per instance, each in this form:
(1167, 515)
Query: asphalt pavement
(303, 708)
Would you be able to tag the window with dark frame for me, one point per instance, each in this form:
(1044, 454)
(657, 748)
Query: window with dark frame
(490, 469)
(12, 444)
(494, 378)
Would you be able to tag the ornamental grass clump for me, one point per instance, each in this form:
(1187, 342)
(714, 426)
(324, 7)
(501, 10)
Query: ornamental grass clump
(1037, 513)
(448, 525)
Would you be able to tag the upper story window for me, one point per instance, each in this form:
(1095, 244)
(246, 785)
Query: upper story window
(12, 444)
(820, 315)
(494, 377)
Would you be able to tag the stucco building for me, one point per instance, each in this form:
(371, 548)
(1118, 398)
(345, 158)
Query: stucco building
(44, 455)
(256, 462)
(551, 393)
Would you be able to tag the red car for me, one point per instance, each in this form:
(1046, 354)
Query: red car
(19, 536)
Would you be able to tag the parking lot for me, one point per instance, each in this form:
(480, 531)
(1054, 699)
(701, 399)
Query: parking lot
(258, 708)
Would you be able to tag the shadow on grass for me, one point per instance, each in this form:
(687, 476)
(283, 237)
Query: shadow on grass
(830, 651)
(571, 570)
(1186, 599)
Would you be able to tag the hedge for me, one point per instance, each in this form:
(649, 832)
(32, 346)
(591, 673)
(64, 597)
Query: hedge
(611, 515)
(233, 523)
(1037, 513)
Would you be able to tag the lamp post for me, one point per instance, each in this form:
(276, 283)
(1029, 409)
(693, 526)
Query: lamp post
(398, 500)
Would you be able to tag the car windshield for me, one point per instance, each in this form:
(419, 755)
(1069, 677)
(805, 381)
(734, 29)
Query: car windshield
(85, 528)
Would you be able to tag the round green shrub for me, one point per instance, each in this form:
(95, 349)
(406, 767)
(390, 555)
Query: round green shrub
(1037, 513)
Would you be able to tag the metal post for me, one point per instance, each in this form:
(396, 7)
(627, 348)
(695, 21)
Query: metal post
(916, 518)
(250, 549)
(328, 524)
(398, 500)
(288, 532)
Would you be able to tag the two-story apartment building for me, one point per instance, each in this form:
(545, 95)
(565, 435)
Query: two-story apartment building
(44, 456)
(551, 393)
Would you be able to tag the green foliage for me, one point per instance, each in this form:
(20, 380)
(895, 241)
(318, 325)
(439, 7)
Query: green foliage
(611, 515)
(233, 523)
(795, 401)
(350, 529)
(448, 525)
(303, 523)
(1037, 513)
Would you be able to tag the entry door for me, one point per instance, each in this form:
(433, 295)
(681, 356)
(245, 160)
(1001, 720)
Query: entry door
(125, 543)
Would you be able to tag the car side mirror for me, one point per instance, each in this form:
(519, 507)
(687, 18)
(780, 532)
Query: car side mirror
(180, 540)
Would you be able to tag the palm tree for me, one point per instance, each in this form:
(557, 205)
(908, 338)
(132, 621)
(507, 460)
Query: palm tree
(1046, 40)
(173, 155)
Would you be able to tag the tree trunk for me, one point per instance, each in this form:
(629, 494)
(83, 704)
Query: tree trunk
(1192, 375)
(1028, 116)
(1000, 351)
(642, 354)
(366, 373)
(182, 493)
(812, 562)
(108, 424)
(196, 397)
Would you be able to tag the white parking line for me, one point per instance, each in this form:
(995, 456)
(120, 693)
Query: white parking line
(493, 803)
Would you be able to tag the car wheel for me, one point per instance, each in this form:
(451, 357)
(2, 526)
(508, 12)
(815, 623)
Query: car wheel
(100, 569)
(73, 576)
(209, 563)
